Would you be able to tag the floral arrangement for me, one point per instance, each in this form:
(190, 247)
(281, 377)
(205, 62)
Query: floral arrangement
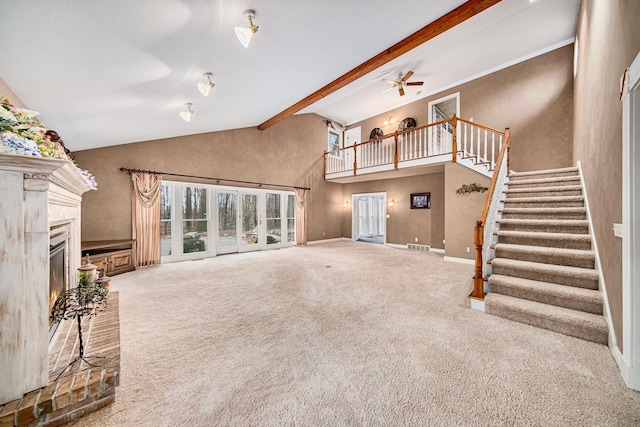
(21, 133)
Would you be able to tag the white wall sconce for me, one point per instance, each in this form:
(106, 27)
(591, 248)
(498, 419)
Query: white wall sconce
(245, 34)
(186, 115)
(391, 203)
(205, 88)
(345, 204)
(389, 121)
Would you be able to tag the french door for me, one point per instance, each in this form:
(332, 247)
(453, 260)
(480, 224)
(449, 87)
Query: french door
(241, 220)
(252, 233)
(227, 222)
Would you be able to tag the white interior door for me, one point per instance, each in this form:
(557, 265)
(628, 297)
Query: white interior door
(369, 218)
(351, 138)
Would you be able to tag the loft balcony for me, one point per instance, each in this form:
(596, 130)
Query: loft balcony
(417, 151)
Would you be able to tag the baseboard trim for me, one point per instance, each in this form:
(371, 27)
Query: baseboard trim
(396, 245)
(319, 242)
(436, 250)
(624, 368)
(476, 304)
(460, 260)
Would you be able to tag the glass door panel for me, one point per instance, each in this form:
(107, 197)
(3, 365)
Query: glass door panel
(250, 237)
(274, 219)
(227, 222)
(194, 220)
(166, 195)
(291, 218)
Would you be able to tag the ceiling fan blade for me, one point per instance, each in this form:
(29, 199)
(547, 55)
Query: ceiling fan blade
(401, 90)
(414, 83)
(386, 90)
(406, 76)
(391, 82)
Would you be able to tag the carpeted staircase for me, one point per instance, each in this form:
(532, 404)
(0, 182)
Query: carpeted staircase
(543, 273)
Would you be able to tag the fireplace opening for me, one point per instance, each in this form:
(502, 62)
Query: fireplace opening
(57, 273)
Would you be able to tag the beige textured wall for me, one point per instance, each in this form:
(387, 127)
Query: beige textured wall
(289, 153)
(462, 210)
(609, 39)
(405, 224)
(534, 98)
(5, 90)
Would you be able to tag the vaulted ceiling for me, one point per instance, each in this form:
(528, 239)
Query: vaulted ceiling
(107, 73)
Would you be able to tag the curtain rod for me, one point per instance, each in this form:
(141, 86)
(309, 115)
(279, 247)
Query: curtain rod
(259, 184)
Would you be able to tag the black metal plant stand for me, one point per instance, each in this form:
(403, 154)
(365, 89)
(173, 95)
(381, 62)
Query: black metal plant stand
(76, 303)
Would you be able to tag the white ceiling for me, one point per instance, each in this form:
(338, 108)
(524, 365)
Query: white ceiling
(112, 72)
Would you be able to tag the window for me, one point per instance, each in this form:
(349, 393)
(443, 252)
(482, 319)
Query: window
(291, 218)
(334, 142)
(194, 219)
(165, 219)
(274, 219)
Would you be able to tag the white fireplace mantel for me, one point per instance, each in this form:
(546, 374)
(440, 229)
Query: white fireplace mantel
(36, 195)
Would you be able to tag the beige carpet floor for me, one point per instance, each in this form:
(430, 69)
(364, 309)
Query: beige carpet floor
(344, 334)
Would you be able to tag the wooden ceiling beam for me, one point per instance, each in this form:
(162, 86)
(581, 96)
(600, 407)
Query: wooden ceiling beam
(434, 29)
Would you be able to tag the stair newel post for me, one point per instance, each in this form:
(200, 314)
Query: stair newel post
(395, 152)
(355, 158)
(478, 281)
(454, 146)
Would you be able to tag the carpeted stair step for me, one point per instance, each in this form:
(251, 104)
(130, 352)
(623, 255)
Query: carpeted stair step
(545, 182)
(544, 202)
(587, 300)
(544, 213)
(549, 173)
(545, 255)
(572, 226)
(563, 275)
(575, 323)
(564, 190)
(551, 240)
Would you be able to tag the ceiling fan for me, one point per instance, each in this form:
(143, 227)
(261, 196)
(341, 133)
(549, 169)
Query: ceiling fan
(400, 82)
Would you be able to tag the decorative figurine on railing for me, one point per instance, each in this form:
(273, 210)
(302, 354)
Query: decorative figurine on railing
(87, 299)
(471, 188)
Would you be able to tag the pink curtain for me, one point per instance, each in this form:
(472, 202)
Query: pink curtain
(146, 217)
(301, 216)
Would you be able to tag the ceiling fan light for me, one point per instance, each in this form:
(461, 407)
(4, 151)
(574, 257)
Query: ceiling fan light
(186, 115)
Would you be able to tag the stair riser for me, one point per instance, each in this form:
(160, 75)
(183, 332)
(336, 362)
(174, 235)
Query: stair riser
(535, 204)
(547, 243)
(521, 193)
(517, 177)
(549, 228)
(544, 276)
(544, 215)
(583, 262)
(525, 184)
(589, 334)
(590, 306)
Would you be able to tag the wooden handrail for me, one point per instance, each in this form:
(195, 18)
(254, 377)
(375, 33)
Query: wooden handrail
(481, 126)
(478, 234)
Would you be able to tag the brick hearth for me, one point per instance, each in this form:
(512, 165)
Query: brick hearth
(82, 388)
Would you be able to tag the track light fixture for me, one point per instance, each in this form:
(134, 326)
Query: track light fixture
(205, 88)
(245, 34)
(186, 115)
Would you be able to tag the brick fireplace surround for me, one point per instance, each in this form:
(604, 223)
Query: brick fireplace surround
(40, 197)
(81, 389)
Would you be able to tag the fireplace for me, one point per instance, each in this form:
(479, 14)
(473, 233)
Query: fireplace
(58, 272)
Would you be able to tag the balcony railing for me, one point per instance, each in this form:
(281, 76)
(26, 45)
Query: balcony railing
(447, 140)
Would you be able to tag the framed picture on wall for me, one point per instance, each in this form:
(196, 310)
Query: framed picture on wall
(420, 200)
(334, 142)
